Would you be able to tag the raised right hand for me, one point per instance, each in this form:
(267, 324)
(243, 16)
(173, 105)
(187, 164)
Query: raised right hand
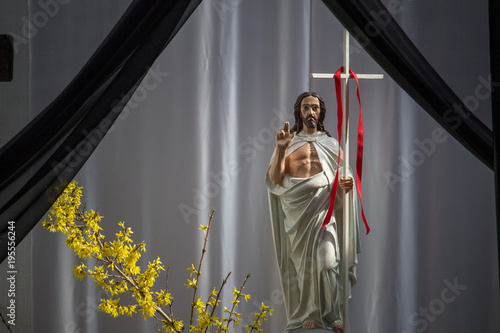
(284, 138)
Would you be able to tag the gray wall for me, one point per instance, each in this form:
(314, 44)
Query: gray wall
(14, 115)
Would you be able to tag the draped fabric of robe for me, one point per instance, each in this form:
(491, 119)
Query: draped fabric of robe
(309, 257)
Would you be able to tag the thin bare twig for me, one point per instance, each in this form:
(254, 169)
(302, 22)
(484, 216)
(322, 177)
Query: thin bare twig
(218, 296)
(236, 299)
(259, 316)
(198, 272)
(166, 291)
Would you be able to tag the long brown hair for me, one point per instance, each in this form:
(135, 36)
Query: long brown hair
(297, 115)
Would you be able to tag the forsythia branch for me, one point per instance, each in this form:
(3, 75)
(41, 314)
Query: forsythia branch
(206, 230)
(116, 271)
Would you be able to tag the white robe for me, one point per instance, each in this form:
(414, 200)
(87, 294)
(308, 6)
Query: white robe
(308, 255)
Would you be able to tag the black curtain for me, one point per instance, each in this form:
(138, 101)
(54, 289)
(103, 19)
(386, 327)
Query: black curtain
(373, 26)
(38, 163)
(494, 11)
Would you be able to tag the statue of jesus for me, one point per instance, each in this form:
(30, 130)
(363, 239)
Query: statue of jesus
(299, 181)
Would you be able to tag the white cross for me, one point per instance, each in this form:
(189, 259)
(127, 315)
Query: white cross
(345, 76)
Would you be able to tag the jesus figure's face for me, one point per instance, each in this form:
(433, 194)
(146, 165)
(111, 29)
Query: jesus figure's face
(309, 111)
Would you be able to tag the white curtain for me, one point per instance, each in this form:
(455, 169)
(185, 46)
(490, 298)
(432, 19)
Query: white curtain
(199, 133)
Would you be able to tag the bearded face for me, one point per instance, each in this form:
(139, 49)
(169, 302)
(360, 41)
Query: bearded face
(310, 122)
(309, 111)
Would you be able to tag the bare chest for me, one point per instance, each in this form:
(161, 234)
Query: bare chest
(304, 162)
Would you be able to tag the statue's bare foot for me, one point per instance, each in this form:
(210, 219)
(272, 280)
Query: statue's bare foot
(338, 327)
(309, 326)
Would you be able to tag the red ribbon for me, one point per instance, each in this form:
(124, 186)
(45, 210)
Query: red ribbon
(359, 153)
